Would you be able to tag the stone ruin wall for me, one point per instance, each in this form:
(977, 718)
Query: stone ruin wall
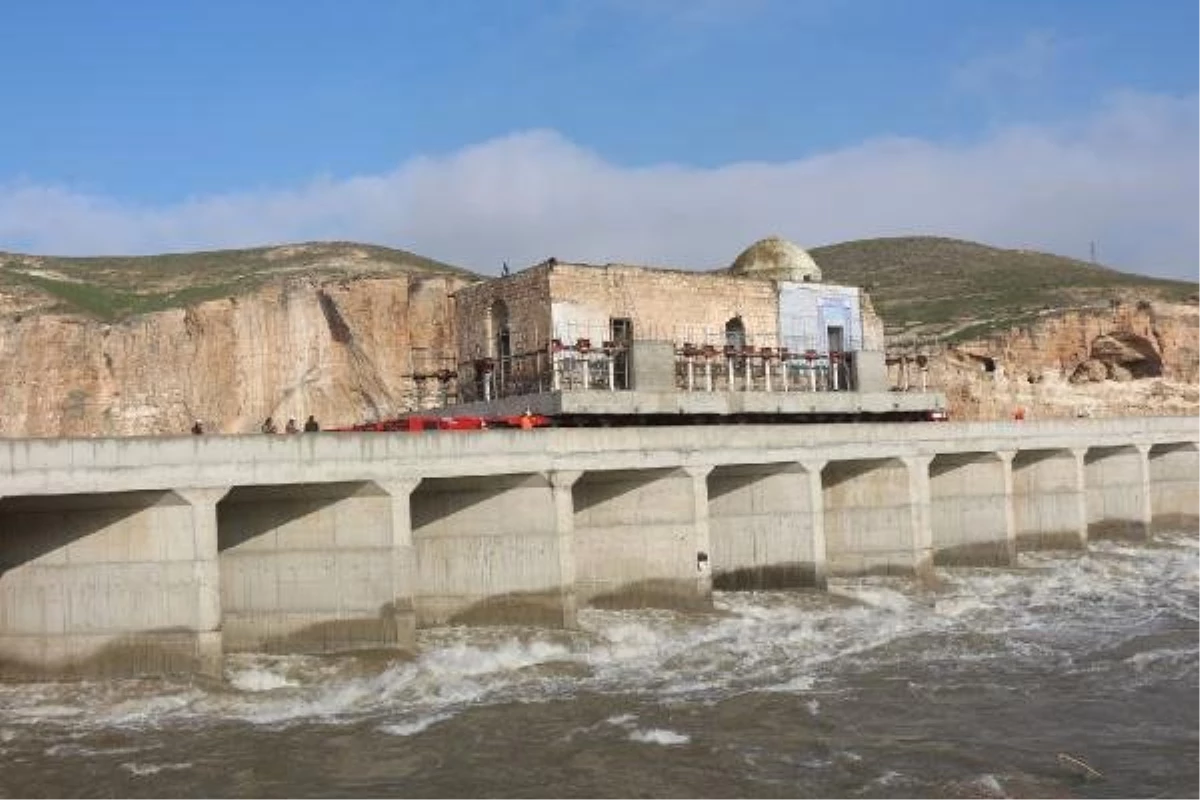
(526, 295)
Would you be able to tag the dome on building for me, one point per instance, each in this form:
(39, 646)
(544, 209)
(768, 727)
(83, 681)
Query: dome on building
(776, 259)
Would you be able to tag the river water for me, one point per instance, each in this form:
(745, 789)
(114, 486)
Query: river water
(997, 683)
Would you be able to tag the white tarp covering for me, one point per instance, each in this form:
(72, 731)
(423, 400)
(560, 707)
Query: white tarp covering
(808, 310)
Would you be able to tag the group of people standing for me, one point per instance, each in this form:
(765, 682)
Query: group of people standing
(310, 425)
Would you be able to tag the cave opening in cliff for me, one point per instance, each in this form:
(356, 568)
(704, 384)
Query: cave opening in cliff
(1130, 352)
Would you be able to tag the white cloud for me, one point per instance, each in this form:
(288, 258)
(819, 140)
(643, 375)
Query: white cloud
(1030, 60)
(1125, 178)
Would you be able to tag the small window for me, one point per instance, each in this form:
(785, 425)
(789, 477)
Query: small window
(735, 333)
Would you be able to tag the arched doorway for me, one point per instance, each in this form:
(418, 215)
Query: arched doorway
(499, 344)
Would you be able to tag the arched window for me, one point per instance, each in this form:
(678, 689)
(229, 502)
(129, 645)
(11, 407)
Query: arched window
(735, 333)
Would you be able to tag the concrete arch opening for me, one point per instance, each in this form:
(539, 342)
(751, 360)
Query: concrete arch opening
(970, 515)
(105, 584)
(1118, 493)
(488, 550)
(1174, 494)
(638, 539)
(762, 527)
(870, 527)
(1048, 500)
(311, 568)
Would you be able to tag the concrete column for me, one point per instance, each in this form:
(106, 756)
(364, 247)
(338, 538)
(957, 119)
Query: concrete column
(875, 514)
(971, 509)
(1049, 499)
(561, 483)
(922, 525)
(208, 573)
(1118, 492)
(638, 536)
(1010, 513)
(490, 551)
(763, 526)
(311, 568)
(816, 516)
(1174, 479)
(108, 584)
(404, 561)
(702, 534)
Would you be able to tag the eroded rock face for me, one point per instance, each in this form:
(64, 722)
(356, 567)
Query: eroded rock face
(344, 351)
(1091, 371)
(1134, 359)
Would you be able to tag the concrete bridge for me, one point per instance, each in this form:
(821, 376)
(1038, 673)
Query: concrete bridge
(120, 556)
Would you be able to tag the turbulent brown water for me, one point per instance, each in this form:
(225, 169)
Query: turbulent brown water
(876, 689)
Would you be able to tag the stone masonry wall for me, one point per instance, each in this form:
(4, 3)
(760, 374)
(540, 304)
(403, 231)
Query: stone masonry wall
(667, 305)
(527, 296)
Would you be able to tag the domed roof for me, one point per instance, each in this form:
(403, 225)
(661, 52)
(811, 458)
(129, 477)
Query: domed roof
(776, 259)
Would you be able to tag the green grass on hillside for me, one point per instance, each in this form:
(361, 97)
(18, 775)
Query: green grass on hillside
(111, 288)
(964, 289)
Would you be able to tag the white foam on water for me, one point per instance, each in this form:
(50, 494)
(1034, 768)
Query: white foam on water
(660, 736)
(1046, 612)
(889, 778)
(1163, 664)
(145, 770)
(50, 711)
(415, 726)
(258, 680)
(80, 751)
(621, 719)
(989, 784)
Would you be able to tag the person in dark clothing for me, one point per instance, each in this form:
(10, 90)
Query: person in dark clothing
(310, 424)
(269, 426)
(197, 428)
(291, 427)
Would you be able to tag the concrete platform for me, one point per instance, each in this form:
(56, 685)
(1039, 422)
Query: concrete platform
(634, 403)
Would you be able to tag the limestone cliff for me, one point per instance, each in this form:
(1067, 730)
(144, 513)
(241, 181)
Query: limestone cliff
(1135, 358)
(342, 349)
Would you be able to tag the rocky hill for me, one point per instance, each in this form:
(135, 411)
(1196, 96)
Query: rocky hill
(128, 346)
(958, 290)
(344, 331)
(1000, 330)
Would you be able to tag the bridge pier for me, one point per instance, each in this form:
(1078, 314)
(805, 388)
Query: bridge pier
(971, 509)
(492, 550)
(639, 536)
(1118, 492)
(123, 583)
(876, 517)
(1174, 479)
(766, 526)
(1049, 499)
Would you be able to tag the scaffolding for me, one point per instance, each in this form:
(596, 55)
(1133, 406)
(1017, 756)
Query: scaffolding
(575, 361)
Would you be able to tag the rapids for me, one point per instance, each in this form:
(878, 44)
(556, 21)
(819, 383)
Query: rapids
(996, 683)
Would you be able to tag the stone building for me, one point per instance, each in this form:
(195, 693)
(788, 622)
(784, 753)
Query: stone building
(767, 324)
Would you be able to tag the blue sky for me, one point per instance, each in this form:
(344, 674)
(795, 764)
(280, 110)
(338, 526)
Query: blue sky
(659, 131)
